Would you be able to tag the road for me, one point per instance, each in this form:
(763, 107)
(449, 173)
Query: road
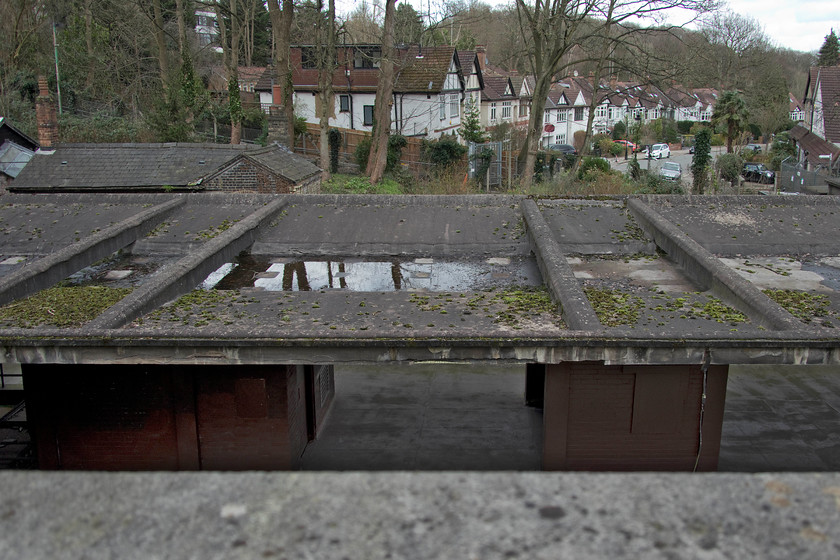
(680, 156)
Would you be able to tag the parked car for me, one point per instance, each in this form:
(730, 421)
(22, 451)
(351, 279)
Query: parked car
(756, 148)
(671, 171)
(564, 148)
(657, 151)
(758, 173)
(630, 145)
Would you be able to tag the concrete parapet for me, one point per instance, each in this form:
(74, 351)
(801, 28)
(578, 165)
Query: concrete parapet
(419, 515)
(189, 271)
(55, 267)
(557, 274)
(709, 272)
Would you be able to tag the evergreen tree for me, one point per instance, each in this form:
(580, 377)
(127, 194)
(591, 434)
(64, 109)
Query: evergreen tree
(829, 54)
(701, 160)
(470, 129)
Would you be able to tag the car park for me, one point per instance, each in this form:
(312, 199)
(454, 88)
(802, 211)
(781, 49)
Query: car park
(657, 151)
(671, 171)
(758, 173)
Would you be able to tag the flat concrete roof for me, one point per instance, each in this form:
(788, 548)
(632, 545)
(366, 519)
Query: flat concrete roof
(222, 278)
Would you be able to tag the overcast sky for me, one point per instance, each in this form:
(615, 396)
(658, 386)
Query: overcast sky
(795, 24)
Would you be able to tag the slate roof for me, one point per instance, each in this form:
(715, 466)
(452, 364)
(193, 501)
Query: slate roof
(288, 164)
(141, 166)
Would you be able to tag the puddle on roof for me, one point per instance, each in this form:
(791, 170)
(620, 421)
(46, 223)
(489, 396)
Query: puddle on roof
(119, 270)
(432, 275)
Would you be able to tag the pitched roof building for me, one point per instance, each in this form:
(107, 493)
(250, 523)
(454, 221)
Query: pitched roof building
(818, 137)
(157, 167)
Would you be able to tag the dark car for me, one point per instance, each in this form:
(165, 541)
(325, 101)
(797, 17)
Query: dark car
(564, 148)
(758, 173)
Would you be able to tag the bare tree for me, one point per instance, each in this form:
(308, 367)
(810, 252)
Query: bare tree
(552, 28)
(230, 50)
(378, 157)
(325, 41)
(281, 27)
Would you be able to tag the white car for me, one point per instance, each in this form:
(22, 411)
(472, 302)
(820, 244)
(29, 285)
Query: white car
(658, 151)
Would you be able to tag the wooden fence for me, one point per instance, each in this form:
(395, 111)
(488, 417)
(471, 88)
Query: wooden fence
(411, 158)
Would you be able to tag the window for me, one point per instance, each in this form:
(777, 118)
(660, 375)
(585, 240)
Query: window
(578, 113)
(442, 106)
(308, 58)
(367, 57)
(560, 139)
(368, 115)
(601, 111)
(506, 110)
(454, 106)
(561, 117)
(492, 112)
(523, 110)
(344, 103)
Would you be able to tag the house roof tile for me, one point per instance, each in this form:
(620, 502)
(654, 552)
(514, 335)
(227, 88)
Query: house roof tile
(137, 166)
(426, 74)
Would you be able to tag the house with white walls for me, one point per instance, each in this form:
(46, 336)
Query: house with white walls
(427, 97)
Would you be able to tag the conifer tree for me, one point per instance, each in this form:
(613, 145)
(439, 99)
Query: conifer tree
(829, 54)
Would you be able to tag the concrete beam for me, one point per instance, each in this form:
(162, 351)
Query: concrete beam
(53, 268)
(184, 275)
(111, 348)
(558, 275)
(710, 273)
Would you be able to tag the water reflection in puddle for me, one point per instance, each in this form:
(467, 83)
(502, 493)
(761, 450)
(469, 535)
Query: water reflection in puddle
(374, 276)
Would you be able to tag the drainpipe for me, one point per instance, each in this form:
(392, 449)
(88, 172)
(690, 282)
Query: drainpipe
(350, 95)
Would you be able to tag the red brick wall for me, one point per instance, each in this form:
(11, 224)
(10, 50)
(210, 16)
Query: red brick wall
(96, 417)
(156, 417)
(242, 418)
(618, 418)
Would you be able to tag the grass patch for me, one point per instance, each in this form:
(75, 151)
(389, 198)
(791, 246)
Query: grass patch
(70, 306)
(354, 184)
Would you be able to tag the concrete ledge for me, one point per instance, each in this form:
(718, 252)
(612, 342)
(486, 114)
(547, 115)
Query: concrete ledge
(419, 515)
(558, 275)
(188, 272)
(712, 274)
(55, 267)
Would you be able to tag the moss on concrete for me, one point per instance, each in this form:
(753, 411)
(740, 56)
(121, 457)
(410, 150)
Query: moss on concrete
(62, 306)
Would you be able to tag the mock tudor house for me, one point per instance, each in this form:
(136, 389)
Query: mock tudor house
(567, 106)
(797, 113)
(818, 136)
(428, 90)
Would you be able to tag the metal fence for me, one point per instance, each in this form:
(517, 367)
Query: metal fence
(491, 170)
(794, 178)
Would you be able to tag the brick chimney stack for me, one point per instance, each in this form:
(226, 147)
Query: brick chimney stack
(46, 116)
